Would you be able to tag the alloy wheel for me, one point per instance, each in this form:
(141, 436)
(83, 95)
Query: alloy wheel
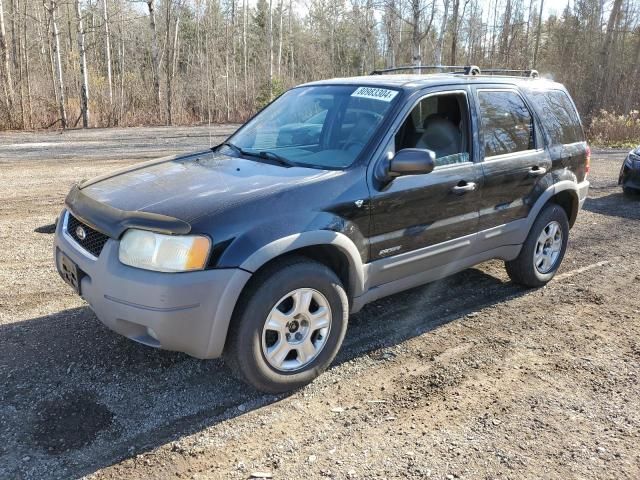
(548, 248)
(296, 330)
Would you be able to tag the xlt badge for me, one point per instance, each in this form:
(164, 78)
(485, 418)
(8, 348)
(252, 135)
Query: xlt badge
(389, 250)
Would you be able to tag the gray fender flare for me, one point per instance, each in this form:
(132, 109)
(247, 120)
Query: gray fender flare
(309, 239)
(561, 186)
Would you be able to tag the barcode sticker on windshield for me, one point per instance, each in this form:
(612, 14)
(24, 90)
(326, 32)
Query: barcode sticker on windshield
(382, 94)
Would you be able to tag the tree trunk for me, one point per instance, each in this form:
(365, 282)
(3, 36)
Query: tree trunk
(605, 52)
(53, 8)
(416, 13)
(538, 32)
(244, 51)
(51, 71)
(27, 74)
(443, 28)
(506, 33)
(7, 86)
(107, 46)
(270, 50)
(155, 55)
(527, 36)
(121, 29)
(292, 64)
(167, 61)
(280, 38)
(14, 36)
(454, 31)
(234, 92)
(84, 89)
(171, 61)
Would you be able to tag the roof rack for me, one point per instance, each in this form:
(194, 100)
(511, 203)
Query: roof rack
(462, 70)
(511, 72)
(459, 69)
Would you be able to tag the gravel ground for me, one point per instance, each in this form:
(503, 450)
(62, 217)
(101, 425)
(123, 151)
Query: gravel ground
(470, 377)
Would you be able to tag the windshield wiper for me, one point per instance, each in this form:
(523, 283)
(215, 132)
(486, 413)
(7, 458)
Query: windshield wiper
(266, 155)
(232, 146)
(277, 157)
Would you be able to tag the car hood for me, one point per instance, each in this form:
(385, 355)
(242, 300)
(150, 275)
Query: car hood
(190, 186)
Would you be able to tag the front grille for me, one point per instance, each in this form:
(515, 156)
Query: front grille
(93, 241)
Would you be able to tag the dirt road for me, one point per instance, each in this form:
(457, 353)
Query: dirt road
(471, 377)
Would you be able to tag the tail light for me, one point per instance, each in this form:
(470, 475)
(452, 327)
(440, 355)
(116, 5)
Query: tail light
(587, 167)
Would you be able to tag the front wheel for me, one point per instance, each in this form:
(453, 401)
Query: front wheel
(290, 325)
(543, 250)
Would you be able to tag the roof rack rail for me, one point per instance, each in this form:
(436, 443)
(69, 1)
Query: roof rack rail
(462, 70)
(511, 72)
(459, 69)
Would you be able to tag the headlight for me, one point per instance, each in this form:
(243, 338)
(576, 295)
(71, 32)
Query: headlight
(164, 253)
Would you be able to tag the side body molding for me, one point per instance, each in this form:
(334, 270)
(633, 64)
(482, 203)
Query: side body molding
(308, 239)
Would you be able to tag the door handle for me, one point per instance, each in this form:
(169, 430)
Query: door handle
(537, 171)
(463, 187)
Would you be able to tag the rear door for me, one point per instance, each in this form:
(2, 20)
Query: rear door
(562, 130)
(514, 158)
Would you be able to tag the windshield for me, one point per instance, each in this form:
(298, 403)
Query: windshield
(321, 126)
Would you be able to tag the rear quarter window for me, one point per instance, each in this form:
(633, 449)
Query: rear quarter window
(558, 115)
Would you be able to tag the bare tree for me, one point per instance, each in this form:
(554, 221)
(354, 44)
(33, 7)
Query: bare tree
(418, 31)
(605, 53)
(107, 50)
(270, 34)
(443, 28)
(6, 73)
(84, 91)
(538, 32)
(281, 13)
(52, 9)
(25, 61)
(170, 55)
(274, 44)
(155, 54)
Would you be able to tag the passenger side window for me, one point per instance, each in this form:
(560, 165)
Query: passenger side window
(438, 123)
(506, 123)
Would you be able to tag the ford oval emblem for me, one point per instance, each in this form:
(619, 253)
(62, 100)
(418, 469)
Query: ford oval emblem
(81, 233)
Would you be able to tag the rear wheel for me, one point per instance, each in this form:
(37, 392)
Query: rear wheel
(629, 192)
(290, 325)
(543, 250)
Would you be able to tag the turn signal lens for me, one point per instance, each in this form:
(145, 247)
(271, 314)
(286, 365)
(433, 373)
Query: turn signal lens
(164, 253)
(197, 257)
(587, 167)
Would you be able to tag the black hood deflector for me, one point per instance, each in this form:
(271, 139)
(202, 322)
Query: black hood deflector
(113, 222)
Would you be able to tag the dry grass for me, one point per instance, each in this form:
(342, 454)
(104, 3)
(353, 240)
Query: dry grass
(611, 129)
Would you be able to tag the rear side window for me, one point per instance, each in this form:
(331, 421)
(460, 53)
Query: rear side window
(558, 115)
(506, 123)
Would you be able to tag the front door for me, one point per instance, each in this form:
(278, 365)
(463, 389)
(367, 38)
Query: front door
(421, 221)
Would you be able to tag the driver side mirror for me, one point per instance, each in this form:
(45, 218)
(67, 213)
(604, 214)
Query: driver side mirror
(412, 161)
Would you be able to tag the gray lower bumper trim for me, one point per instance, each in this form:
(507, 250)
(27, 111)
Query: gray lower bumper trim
(187, 312)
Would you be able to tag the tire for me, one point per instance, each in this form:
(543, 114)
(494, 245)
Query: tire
(538, 263)
(256, 354)
(629, 192)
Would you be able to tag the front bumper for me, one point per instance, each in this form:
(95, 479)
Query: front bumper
(187, 312)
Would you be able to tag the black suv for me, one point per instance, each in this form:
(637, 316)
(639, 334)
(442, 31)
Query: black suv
(630, 173)
(336, 194)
